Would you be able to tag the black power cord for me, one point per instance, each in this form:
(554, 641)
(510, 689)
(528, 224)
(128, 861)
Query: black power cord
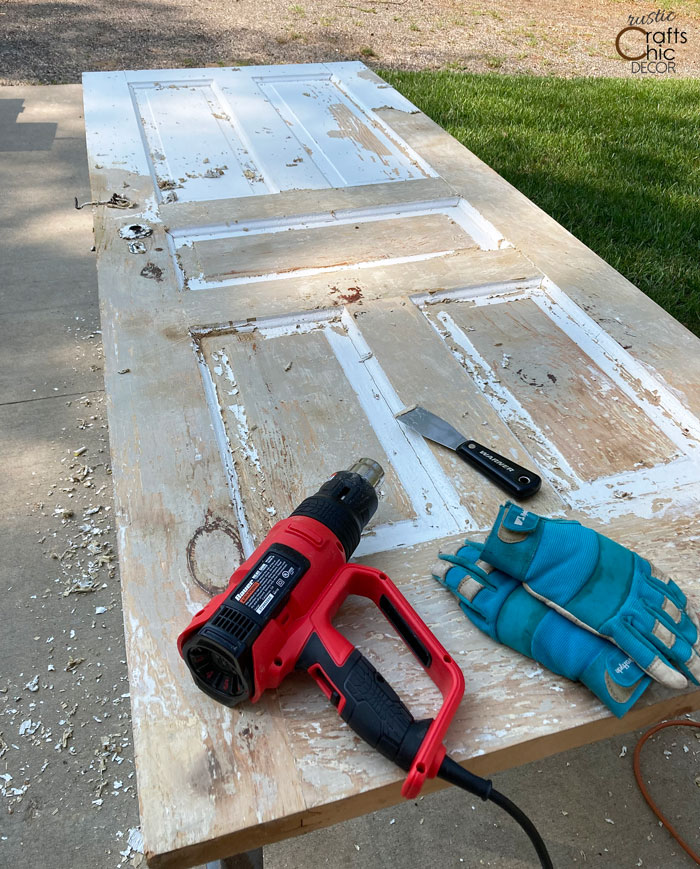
(455, 774)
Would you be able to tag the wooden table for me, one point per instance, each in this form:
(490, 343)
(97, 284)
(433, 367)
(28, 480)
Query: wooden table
(316, 254)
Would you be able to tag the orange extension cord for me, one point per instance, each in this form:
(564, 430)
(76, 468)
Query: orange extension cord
(643, 788)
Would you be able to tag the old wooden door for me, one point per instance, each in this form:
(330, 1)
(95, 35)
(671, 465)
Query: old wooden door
(300, 254)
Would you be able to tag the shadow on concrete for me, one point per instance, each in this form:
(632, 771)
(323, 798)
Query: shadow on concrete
(18, 136)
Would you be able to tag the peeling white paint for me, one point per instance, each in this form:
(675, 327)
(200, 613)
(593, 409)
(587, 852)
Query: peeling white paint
(645, 492)
(649, 493)
(246, 445)
(429, 489)
(669, 415)
(435, 502)
(202, 283)
(266, 790)
(225, 451)
(249, 131)
(484, 294)
(476, 228)
(328, 779)
(502, 399)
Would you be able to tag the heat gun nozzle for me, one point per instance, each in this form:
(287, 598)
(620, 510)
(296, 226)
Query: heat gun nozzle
(369, 470)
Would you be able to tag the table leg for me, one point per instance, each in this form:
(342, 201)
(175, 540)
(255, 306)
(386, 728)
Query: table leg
(249, 860)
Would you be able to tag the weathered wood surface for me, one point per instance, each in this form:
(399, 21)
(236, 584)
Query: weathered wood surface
(268, 343)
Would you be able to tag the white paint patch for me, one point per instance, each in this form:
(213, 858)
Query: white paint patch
(247, 448)
(204, 159)
(225, 450)
(266, 792)
(301, 323)
(135, 840)
(484, 294)
(490, 736)
(328, 779)
(112, 131)
(228, 373)
(345, 141)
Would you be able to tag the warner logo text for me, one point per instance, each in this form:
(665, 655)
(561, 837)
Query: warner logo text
(650, 42)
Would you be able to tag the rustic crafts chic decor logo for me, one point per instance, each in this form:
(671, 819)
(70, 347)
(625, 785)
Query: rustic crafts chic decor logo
(650, 42)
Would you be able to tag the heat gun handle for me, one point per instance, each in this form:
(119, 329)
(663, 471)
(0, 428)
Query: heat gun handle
(366, 702)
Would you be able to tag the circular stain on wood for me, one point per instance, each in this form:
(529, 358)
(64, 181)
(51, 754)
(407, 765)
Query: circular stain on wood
(213, 554)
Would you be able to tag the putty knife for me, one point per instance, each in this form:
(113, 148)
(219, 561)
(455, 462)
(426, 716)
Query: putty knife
(514, 479)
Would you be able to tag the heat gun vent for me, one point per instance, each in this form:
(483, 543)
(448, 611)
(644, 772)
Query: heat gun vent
(235, 623)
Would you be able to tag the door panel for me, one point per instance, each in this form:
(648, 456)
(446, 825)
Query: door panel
(223, 259)
(221, 135)
(194, 148)
(295, 399)
(347, 144)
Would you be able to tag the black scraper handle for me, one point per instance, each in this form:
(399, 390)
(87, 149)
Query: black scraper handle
(514, 479)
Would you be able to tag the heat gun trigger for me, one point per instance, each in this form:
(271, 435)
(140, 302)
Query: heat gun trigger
(364, 699)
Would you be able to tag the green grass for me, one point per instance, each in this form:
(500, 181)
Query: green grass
(615, 161)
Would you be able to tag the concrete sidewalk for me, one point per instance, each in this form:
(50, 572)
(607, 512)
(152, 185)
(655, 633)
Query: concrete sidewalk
(65, 730)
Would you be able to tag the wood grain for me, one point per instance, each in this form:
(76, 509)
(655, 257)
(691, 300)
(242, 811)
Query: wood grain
(405, 346)
(598, 429)
(221, 259)
(286, 391)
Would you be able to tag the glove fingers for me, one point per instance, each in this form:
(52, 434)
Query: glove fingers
(468, 583)
(661, 581)
(683, 641)
(476, 618)
(676, 650)
(460, 574)
(694, 619)
(693, 666)
(675, 635)
(650, 658)
(682, 626)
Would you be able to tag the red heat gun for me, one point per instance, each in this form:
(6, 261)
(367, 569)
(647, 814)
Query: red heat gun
(275, 616)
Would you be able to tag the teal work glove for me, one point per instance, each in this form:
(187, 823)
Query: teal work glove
(601, 586)
(500, 606)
